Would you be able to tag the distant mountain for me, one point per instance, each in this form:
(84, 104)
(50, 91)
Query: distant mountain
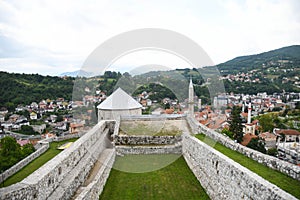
(80, 73)
(283, 58)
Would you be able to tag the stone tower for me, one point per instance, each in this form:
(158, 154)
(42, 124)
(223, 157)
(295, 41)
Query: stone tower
(191, 99)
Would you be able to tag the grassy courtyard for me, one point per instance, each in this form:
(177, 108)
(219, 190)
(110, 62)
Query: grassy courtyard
(283, 181)
(175, 181)
(36, 163)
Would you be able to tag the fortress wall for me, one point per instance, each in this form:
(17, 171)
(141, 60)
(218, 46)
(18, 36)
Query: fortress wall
(95, 188)
(163, 149)
(152, 117)
(41, 147)
(223, 178)
(146, 140)
(270, 161)
(74, 162)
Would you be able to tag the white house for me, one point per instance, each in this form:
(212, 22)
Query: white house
(33, 116)
(2, 118)
(117, 104)
(290, 134)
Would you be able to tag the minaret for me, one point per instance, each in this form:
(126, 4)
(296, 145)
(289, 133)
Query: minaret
(191, 99)
(199, 104)
(249, 114)
(243, 108)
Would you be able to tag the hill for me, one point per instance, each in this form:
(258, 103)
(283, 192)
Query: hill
(273, 71)
(284, 57)
(25, 88)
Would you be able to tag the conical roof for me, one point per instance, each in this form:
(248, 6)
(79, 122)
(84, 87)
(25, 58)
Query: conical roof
(119, 100)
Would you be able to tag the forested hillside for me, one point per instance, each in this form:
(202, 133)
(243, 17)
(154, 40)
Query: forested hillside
(285, 57)
(25, 88)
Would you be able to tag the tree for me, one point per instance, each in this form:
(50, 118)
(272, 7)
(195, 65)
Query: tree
(266, 122)
(9, 147)
(236, 126)
(227, 132)
(59, 118)
(11, 152)
(27, 149)
(298, 105)
(272, 152)
(257, 144)
(27, 130)
(167, 106)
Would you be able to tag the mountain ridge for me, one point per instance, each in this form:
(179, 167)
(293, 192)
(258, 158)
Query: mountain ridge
(273, 57)
(80, 73)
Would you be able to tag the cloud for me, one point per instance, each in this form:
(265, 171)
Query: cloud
(55, 33)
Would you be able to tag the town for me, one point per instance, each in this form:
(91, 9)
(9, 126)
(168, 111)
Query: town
(270, 121)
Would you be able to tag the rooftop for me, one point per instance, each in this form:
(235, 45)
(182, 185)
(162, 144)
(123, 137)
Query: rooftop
(119, 100)
(288, 132)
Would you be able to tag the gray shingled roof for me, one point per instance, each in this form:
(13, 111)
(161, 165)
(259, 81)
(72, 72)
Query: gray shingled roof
(119, 100)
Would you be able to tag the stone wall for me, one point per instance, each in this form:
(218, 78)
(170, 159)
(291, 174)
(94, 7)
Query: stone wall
(95, 188)
(39, 128)
(60, 177)
(152, 117)
(57, 139)
(14, 169)
(163, 149)
(223, 178)
(104, 114)
(270, 161)
(41, 147)
(146, 140)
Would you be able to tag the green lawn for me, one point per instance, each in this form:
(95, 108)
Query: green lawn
(283, 181)
(35, 164)
(175, 181)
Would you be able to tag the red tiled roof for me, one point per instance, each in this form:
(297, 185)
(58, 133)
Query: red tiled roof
(247, 138)
(169, 111)
(76, 125)
(267, 135)
(22, 142)
(288, 132)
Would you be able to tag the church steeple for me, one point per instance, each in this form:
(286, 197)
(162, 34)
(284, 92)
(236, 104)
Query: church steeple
(191, 99)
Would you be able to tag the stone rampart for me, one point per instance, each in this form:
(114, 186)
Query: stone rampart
(60, 177)
(146, 140)
(152, 117)
(95, 187)
(270, 161)
(41, 147)
(162, 149)
(223, 178)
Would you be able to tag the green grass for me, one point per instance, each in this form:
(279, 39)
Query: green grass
(283, 181)
(36, 163)
(175, 181)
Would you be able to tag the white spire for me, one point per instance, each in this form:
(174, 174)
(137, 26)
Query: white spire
(249, 114)
(191, 99)
(191, 84)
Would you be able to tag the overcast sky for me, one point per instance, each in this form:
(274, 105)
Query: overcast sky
(55, 36)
